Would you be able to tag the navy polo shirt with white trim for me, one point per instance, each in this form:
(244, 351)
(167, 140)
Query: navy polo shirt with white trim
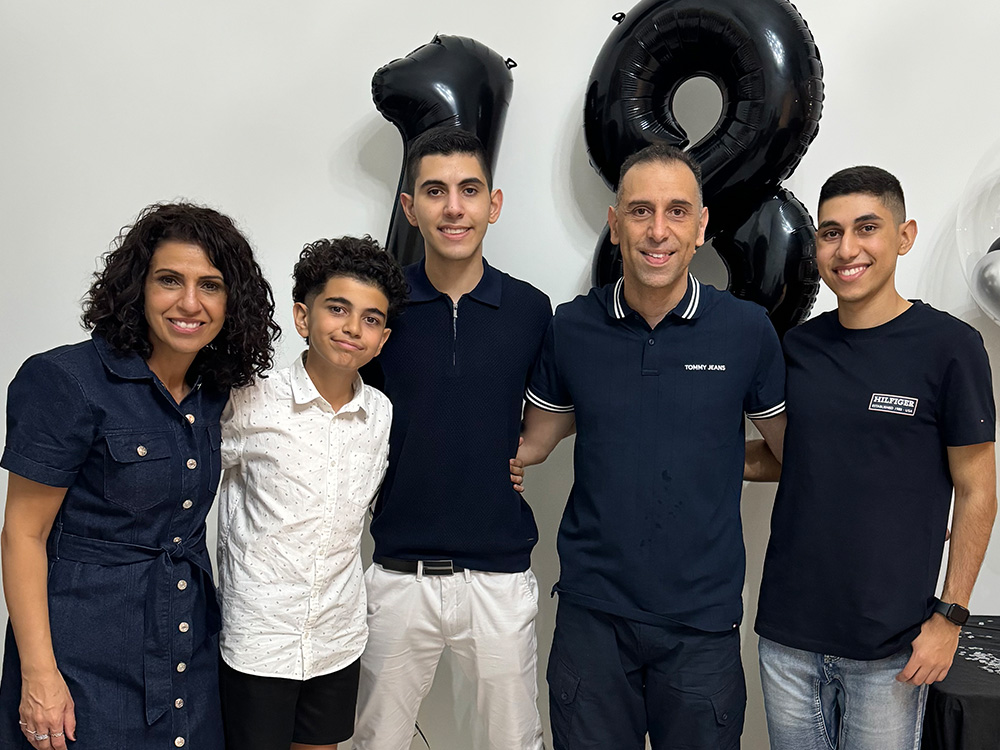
(652, 530)
(456, 376)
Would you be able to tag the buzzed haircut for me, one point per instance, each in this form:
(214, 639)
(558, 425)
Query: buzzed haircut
(444, 141)
(663, 153)
(873, 181)
(358, 258)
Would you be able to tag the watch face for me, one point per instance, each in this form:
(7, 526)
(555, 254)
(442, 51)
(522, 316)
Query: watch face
(958, 614)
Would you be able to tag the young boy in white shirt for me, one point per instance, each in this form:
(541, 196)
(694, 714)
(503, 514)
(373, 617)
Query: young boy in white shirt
(305, 451)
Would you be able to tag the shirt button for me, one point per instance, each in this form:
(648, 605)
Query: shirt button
(179, 703)
(651, 342)
(184, 627)
(141, 450)
(187, 504)
(179, 742)
(190, 418)
(177, 540)
(192, 464)
(181, 667)
(182, 584)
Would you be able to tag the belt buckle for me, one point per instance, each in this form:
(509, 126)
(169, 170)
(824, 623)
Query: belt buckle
(439, 567)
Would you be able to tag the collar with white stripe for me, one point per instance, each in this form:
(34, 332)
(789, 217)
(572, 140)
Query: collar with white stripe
(688, 308)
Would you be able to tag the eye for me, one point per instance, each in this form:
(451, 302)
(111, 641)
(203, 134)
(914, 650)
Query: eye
(434, 192)
(471, 190)
(212, 286)
(640, 212)
(336, 309)
(868, 228)
(372, 320)
(829, 234)
(678, 212)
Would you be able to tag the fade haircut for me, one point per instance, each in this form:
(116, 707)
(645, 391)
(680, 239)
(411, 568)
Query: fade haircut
(358, 258)
(662, 153)
(865, 180)
(444, 141)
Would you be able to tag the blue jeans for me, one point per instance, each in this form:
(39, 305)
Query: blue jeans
(821, 702)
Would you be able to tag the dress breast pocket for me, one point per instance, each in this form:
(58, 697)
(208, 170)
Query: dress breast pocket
(137, 472)
(364, 476)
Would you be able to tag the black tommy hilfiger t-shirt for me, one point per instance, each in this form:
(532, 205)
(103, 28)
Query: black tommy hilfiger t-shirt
(859, 522)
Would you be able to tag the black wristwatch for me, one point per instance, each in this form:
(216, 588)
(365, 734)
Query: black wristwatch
(955, 613)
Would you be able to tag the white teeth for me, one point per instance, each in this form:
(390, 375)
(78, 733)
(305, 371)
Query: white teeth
(851, 271)
(448, 230)
(184, 324)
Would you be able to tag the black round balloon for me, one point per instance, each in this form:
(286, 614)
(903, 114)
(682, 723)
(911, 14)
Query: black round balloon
(451, 81)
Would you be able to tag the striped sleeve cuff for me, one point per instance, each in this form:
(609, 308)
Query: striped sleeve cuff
(544, 405)
(767, 413)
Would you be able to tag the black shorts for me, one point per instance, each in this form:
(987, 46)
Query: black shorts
(264, 713)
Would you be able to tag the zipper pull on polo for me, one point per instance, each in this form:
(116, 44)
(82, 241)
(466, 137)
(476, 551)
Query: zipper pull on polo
(454, 334)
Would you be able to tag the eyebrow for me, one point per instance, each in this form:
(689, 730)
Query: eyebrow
(213, 277)
(859, 220)
(347, 303)
(441, 183)
(647, 201)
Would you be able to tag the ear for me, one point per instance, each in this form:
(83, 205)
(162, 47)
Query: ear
(613, 225)
(385, 337)
(496, 203)
(406, 201)
(907, 236)
(702, 226)
(300, 313)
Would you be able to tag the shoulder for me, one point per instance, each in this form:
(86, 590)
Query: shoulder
(275, 387)
(524, 293)
(80, 362)
(378, 400)
(945, 327)
(585, 306)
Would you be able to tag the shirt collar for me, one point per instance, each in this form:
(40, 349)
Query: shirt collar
(304, 391)
(488, 290)
(688, 308)
(129, 366)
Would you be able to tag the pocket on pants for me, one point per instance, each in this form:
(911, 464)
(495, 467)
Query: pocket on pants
(563, 686)
(729, 706)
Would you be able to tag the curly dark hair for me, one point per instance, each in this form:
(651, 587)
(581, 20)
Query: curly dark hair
(115, 304)
(359, 258)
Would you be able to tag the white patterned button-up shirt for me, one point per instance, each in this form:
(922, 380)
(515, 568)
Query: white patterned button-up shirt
(299, 478)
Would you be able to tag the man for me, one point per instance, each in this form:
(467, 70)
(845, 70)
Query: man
(453, 540)
(890, 407)
(656, 373)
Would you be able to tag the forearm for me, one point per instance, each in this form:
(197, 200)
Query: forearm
(759, 463)
(541, 433)
(25, 583)
(970, 535)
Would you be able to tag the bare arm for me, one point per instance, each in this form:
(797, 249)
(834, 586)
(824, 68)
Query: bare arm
(541, 433)
(46, 705)
(763, 457)
(973, 471)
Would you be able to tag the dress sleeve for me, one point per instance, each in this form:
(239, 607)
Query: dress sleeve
(766, 396)
(50, 425)
(546, 389)
(968, 412)
(232, 432)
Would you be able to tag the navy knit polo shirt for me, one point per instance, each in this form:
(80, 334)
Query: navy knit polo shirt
(456, 376)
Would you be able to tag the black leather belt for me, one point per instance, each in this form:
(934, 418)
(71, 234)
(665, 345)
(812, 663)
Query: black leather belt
(431, 567)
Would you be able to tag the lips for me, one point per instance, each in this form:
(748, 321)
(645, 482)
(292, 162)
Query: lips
(454, 233)
(656, 259)
(185, 326)
(346, 345)
(849, 273)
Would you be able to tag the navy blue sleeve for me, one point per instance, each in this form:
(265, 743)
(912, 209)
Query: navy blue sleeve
(766, 397)
(50, 427)
(968, 412)
(546, 389)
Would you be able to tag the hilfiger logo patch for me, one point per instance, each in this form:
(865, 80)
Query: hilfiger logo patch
(905, 405)
(716, 368)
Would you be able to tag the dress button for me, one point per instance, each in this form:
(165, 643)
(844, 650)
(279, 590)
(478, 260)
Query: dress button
(190, 418)
(181, 666)
(179, 742)
(184, 627)
(192, 464)
(141, 450)
(186, 505)
(179, 703)
(177, 540)
(182, 584)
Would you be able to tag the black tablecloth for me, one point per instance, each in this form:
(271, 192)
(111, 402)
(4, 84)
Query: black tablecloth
(963, 710)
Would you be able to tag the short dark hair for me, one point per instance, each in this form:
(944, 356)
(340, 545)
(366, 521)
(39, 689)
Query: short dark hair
(359, 258)
(665, 154)
(114, 307)
(444, 141)
(873, 181)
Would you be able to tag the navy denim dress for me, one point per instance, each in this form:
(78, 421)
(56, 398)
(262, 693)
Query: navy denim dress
(131, 599)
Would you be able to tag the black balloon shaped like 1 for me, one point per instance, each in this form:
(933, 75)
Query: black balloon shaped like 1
(451, 81)
(764, 60)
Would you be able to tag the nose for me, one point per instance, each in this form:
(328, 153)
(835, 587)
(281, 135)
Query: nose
(659, 227)
(849, 246)
(352, 325)
(453, 206)
(189, 301)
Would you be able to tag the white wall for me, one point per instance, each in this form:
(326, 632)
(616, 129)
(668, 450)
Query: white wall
(264, 110)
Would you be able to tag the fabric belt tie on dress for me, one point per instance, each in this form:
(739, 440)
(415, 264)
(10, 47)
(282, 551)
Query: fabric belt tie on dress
(157, 668)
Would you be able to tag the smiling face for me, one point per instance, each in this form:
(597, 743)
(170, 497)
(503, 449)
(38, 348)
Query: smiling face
(185, 301)
(857, 244)
(658, 223)
(345, 325)
(452, 206)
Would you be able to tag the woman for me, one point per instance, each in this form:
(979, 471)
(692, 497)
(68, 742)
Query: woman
(113, 453)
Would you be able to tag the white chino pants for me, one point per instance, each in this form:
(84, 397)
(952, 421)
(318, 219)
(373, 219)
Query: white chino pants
(488, 621)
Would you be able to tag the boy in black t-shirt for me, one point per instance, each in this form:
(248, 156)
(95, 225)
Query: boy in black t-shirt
(890, 407)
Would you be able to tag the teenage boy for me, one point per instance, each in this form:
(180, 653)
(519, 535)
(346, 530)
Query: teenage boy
(890, 409)
(656, 373)
(305, 451)
(453, 539)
